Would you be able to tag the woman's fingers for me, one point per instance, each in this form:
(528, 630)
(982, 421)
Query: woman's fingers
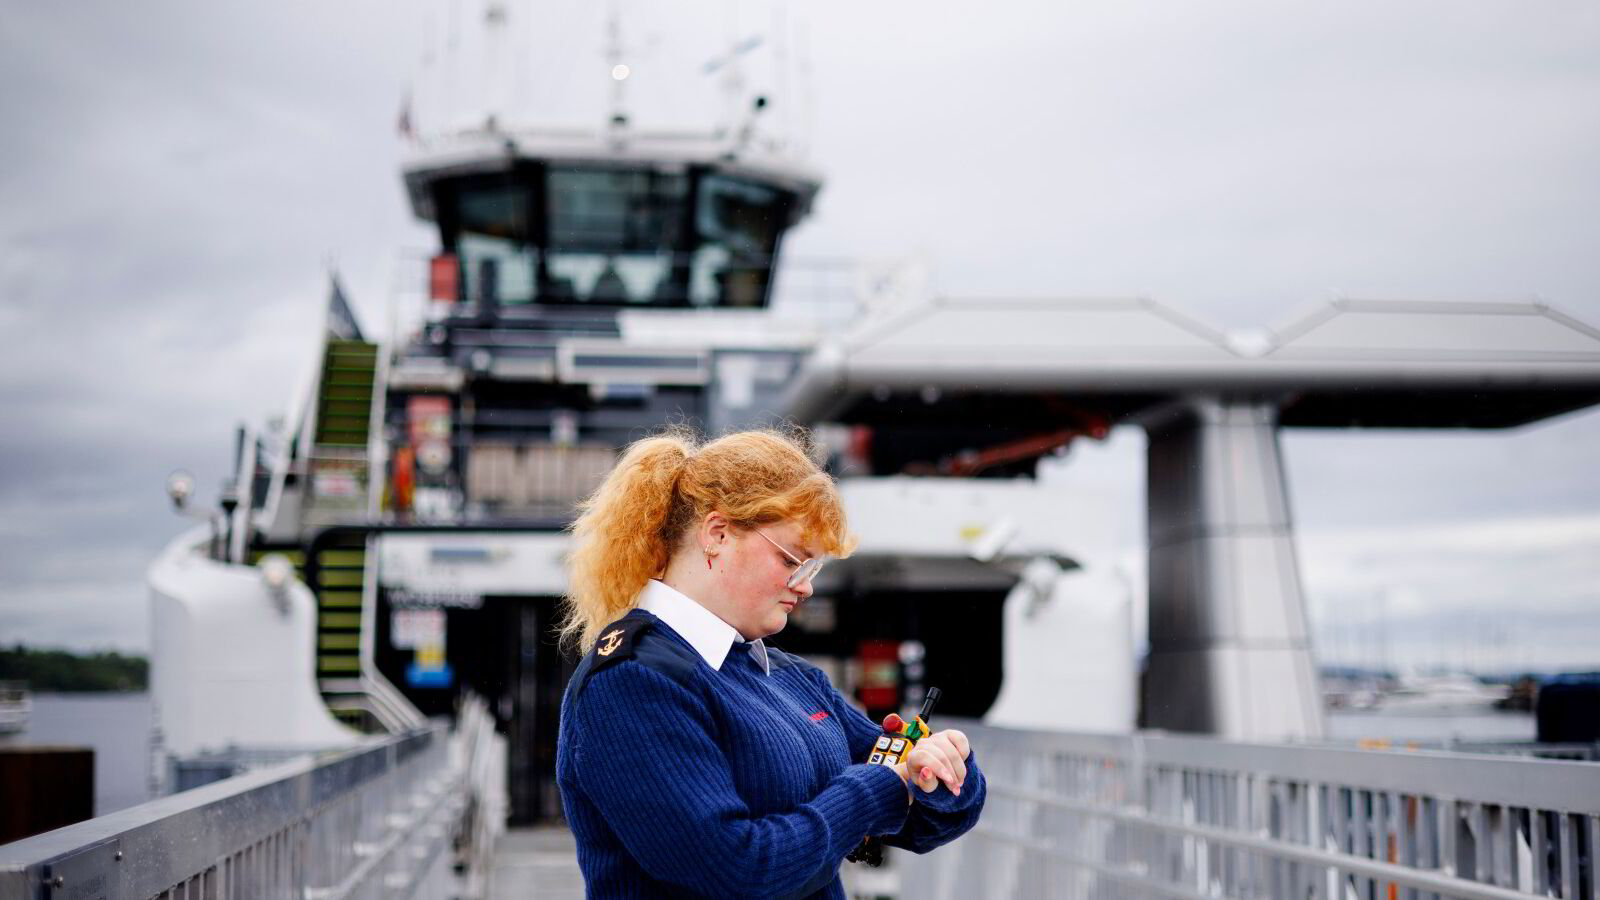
(934, 758)
(919, 769)
(958, 740)
(955, 767)
(914, 771)
(938, 757)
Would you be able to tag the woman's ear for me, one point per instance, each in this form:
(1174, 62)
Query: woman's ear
(715, 531)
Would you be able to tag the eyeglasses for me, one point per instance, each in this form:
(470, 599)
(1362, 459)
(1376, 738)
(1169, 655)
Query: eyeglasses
(806, 570)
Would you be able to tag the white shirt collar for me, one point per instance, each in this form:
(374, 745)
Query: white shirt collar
(711, 637)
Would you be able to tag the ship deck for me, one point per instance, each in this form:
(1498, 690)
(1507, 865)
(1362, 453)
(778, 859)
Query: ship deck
(535, 862)
(1065, 814)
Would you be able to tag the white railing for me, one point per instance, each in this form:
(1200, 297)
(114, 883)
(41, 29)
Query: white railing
(412, 815)
(1150, 815)
(826, 293)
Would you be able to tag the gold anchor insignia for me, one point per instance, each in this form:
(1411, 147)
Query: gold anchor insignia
(610, 643)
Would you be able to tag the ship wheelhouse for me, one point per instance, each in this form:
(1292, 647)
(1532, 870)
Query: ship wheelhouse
(512, 397)
(519, 232)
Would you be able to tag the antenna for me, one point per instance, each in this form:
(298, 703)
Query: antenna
(452, 65)
(780, 50)
(495, 52)
(423, 82)
(618, 120)
(805, 94)
(733, 85)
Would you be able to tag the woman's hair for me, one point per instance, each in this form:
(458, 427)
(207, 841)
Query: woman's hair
(664, 486)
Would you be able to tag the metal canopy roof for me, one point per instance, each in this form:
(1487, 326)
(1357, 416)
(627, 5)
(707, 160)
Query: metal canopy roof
(1348, 363)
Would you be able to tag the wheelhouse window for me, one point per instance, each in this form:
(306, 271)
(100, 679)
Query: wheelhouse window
(495, 243)
(666, 236)
(613, 235)
(738, 223)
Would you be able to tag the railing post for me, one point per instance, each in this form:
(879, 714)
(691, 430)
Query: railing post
(308, 829)
(1240, 820)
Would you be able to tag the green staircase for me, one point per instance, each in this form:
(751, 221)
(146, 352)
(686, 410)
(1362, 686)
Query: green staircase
(344, 419)
(340, 485)
(339, 611)
(341, 570)
(338, 631)
(344, 400)
(338, 494)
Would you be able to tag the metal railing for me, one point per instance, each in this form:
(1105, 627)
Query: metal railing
(828, 292)
(1145, 815)
(412, 815)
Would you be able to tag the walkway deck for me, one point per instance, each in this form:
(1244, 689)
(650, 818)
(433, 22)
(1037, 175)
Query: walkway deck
(542, 862)
(536, 862)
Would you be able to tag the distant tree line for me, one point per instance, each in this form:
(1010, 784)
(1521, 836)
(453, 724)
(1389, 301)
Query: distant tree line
(60, 670)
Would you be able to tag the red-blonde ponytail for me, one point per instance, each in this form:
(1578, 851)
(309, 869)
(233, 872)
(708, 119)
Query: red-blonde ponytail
(629, 527)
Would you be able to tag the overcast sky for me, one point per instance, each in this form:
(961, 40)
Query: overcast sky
(175, 179)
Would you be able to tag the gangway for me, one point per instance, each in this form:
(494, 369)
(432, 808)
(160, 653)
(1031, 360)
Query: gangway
(408, 815)
(1081, 815)
(537, 862)
(1160, 815)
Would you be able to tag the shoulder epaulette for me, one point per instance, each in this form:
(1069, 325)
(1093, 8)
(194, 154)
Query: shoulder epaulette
(615, 644)
(634, 636)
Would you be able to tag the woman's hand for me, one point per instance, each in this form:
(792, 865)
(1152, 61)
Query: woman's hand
(940, 756)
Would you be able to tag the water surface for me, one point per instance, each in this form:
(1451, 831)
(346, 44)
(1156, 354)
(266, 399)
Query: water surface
(115, 726)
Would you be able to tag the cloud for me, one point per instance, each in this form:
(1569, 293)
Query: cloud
(179, 174)
(1482, 565)
(1352, 479)
(1234, 159)
(1511, 592)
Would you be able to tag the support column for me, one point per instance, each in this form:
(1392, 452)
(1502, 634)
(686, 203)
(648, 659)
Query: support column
(1230, 652)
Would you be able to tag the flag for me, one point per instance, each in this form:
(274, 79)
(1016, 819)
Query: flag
(341, 319)
(403, 125)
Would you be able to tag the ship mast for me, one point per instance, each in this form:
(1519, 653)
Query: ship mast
(617, 121)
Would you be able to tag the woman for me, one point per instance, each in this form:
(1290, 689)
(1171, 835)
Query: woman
(694, 760)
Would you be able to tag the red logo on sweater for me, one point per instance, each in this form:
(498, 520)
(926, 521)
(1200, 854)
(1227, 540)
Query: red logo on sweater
(819, 716)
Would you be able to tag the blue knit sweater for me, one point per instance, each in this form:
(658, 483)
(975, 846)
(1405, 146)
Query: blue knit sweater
(682, 780)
